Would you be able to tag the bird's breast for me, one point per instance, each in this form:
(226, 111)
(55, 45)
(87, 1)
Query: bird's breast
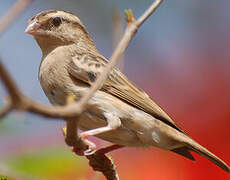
(53, 77)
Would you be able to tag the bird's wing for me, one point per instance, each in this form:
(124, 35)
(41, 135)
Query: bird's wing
(87, 67)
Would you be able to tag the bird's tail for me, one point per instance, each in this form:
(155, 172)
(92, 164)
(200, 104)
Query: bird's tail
(191, 145)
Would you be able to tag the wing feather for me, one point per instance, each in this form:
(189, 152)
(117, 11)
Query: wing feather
(88, 67)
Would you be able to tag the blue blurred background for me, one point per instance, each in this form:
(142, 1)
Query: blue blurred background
(180, 57)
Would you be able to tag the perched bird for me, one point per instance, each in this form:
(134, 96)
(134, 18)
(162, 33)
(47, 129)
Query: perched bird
(118, 112)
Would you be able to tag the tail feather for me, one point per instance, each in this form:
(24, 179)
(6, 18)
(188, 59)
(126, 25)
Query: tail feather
(194, 146)
(210, 156)
(184, 151)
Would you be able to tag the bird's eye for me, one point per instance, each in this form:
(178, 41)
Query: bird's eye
(56, 21)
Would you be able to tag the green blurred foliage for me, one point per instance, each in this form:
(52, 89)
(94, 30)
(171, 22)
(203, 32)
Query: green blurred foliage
(55, 163)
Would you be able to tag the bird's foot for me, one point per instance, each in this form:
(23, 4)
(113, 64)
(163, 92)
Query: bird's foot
(89, 149)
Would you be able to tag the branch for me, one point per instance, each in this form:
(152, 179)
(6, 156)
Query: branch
(118, 28)
(6, 109)
(14, 11)
(100, 162)
(148, 12)
(9, 84)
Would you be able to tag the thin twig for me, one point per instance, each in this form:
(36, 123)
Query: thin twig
(148, 12)
(9, 84)
(6, 109)
(13, 13)
(118, 28)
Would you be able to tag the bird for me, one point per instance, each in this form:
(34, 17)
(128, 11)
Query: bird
(119, 112)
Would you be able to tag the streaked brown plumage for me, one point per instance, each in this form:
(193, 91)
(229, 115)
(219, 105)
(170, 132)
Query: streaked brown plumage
(119, 112)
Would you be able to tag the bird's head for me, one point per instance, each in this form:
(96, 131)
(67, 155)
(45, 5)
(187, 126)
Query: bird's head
(57, 27)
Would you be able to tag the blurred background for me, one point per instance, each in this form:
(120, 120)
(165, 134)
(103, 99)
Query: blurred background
(180, 57)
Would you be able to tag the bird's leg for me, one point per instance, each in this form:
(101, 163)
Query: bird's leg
(113, 123)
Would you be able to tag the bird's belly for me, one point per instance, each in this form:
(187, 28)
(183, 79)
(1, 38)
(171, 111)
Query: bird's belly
(131, 133)
(137, 128)
(121, 135)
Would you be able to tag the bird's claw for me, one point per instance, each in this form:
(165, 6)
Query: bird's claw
(89, 152)
(91, 148)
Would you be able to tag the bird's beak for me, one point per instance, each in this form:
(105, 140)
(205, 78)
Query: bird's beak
(33, 28)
